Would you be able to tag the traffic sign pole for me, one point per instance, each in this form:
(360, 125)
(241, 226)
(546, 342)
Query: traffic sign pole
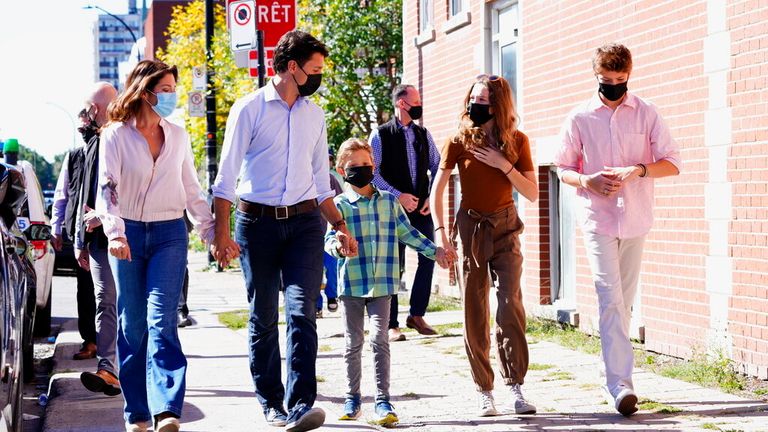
(210, 109)
(262, 57)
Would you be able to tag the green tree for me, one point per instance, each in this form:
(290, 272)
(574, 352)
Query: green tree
(365, 40)
(186, 49)
(43, 168)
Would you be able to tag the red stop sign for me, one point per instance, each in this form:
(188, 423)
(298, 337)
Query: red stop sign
(275, 18)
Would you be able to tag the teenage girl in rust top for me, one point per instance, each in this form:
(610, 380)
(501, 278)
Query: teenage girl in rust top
(493, 157)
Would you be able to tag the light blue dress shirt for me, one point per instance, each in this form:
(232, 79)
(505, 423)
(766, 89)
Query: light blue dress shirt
(279, 153)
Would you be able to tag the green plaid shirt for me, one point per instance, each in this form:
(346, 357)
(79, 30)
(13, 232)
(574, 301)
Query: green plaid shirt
(378, 223)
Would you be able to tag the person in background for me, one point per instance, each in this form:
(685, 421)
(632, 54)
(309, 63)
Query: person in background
(493, 157)
(91, 246)
(613, 147)
(404, 153)
(329, 261)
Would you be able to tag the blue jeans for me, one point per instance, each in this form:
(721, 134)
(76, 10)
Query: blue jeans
(331, 264)
(292, 247)
(422, 280)
(152, 365)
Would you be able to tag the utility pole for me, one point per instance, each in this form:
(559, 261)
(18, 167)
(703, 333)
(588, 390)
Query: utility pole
(210, 109)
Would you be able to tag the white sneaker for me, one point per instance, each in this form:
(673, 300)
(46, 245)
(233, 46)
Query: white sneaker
(137, 427)
(168, 424)
(487, 406)
(521, 405)
(623, 399)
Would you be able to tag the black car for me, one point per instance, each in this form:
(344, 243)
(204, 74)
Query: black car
(17, 296)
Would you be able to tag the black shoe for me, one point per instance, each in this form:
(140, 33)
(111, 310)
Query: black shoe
(184, 320)
(333, 305)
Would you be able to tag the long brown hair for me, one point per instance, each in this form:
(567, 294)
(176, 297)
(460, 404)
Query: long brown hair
(504, 115)
(142, 78)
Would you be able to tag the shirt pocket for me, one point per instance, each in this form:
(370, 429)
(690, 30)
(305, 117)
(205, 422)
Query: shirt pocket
(635, 148)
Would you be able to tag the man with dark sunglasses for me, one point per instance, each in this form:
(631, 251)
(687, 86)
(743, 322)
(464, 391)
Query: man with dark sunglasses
(403, 154)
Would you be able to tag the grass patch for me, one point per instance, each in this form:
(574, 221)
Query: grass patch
(715, 370)
(454, 350)
(710, 426)
(543, 329)
(325, 348)
(320, 378)
(427, 341)
(761, 391)
(539, 366)
(656, 407)
(235, 320)
(437, 303)
(410, 395)
(559, 376)
(589, 386)
(446, 329)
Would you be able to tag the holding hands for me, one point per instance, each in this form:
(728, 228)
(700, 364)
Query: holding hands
(445, 257)
(224, 249)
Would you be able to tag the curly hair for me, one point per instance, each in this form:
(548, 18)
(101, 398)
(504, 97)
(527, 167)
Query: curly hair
(612, 57)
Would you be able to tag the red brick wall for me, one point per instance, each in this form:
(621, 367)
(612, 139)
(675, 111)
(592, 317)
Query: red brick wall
(667, 41)
(748, 172)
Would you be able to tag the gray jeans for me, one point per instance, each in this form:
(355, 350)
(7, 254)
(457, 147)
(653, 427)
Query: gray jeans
(106, 307)
(353, 315)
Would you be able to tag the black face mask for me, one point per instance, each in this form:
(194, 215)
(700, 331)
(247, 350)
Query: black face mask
(414, 112)
(311, 85)
(89, 131)
(479, 114)
(613, 92)
(360, 176)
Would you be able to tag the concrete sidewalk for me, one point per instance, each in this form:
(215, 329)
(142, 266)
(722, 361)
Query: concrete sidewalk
(431, 386)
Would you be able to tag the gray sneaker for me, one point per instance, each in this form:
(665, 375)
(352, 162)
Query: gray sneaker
(521, 405)
(487, 405)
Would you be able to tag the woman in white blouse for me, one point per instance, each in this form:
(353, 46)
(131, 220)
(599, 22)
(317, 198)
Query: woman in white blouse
(147, 179)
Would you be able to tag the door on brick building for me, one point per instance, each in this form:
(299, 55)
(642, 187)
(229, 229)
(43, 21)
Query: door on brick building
(562, 246)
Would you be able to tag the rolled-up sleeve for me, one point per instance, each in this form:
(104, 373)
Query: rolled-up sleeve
(663, 146)
(237, 139)
(60, 197)
(107, 204)
(569, 155)
(197, 207)
(320, 168)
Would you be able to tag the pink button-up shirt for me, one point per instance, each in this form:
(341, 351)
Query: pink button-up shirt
(595, 137)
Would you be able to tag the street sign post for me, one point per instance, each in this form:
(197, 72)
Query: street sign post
(242, 25)
(196, 104)
(198, 78)
(274, 18)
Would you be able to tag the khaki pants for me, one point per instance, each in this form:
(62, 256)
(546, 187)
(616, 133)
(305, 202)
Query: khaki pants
(492, 242)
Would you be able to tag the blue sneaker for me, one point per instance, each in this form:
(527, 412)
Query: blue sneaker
(351, 408)
(385, 414)
(305, 419)
(276, 416)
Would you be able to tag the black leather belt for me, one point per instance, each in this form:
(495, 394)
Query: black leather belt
(279, 212)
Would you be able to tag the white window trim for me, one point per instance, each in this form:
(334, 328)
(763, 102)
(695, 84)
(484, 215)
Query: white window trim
(425, 37)
(458, 21)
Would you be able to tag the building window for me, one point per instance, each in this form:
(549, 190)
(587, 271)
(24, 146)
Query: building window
(506, 22)
(425, 15)
(455, 7)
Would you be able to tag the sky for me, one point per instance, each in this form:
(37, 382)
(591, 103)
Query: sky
(46, 69)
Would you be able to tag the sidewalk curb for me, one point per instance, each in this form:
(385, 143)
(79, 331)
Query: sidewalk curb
(68, 401)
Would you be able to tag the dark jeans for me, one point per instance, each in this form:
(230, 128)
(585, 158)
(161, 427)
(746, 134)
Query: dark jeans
(422, 281)
(293, 247)
(86, 306)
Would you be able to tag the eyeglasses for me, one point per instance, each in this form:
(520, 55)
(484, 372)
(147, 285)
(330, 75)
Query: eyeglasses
(85, 112)
(489, 77)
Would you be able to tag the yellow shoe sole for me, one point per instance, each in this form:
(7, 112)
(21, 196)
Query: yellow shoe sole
(389, 420)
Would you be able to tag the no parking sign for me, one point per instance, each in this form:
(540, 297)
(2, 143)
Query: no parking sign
(242, 25)
(196, 104)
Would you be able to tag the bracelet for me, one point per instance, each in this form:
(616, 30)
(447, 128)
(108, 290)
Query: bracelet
(645, 169)
(338, 224)
(439, 228)
(510, 170)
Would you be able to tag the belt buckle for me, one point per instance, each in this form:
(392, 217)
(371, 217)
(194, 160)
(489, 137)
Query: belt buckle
(277, 212)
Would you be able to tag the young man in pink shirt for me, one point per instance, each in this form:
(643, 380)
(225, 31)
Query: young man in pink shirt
(613, 146)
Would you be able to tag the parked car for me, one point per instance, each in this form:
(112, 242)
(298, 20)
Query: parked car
(48, 196)
(17, 295)
(43, 253)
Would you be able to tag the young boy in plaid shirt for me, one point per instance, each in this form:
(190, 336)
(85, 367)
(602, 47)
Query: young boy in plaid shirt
(368, 280)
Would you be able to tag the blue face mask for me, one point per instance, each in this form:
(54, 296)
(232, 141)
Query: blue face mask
(166, 103)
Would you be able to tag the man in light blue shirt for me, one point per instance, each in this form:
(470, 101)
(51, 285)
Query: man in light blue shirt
(275, 144)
